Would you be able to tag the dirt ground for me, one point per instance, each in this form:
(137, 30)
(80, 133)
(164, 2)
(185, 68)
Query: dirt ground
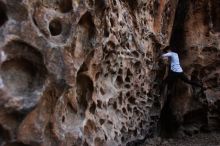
(202, 139)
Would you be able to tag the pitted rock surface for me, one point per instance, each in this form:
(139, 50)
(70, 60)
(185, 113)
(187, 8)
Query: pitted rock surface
(86, 72)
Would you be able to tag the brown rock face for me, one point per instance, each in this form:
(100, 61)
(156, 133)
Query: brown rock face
(196, 38)
(85, 72)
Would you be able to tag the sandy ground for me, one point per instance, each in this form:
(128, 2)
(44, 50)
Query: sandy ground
(202, 139)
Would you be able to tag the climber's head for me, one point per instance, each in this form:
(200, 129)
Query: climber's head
(167, 49)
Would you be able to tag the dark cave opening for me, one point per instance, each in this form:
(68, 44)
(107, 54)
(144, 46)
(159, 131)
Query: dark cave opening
(3, 15)
(177, 39)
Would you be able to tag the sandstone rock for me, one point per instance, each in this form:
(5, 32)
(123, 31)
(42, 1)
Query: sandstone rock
(85, 72)
(195, 37)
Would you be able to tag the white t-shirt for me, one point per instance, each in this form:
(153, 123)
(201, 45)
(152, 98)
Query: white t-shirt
(175, 63)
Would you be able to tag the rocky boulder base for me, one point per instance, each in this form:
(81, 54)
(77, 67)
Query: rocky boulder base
(86, 72)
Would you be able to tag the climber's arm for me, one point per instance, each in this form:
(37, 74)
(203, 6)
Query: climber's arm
(169, 54)
(164, 58)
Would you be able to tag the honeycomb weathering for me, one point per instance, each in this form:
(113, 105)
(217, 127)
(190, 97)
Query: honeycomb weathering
(86, 72)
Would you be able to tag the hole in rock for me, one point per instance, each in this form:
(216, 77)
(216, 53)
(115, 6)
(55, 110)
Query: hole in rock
(21, 76)
(215, 14)
(110, 122)
(120, 98)
(132, 100)
(99, 104)
(112, 22)
(124, 110)
(102, 91)
(115, 105)
(127, 86)
(106, 33)
(101, 121)
(92, 108)
(84, 90)
(119, 80)
(123, 139)
(63, 119)
(138, 93)
(127, 79)
(137, 64)
(35, 21)
(55, 27)
(129, 108)
(129, 73)
(4, 135)
(123, 129)
(89, 127)
(89, 27)
(97, 76)
(136, 111)
(3, 15)
(136, 54)
(132, 3)
(24, 71)
(99, 5)
(120, 71)
(65, 5)
(106, 137)
(128, 94)
(140, 124)
(114, 2)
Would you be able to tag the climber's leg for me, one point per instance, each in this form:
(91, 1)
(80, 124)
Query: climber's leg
(184, 78)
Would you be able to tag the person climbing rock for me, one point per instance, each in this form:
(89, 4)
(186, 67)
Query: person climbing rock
(176, 71)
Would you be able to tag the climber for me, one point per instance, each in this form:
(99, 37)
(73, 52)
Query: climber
(176, 70)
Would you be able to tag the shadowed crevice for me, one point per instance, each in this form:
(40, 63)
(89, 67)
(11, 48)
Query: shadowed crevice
(65, 5)
(84, 91)
(3, 13)
(177, 40)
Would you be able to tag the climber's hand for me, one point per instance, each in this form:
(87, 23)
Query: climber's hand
(165, 60)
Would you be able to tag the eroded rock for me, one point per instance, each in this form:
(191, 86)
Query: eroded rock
(85, 72)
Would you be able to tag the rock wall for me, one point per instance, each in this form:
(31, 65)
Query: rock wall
(85, 72)
(196, 38)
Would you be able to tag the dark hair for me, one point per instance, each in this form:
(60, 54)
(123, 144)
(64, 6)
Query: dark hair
(166, 49)
(172, 48)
